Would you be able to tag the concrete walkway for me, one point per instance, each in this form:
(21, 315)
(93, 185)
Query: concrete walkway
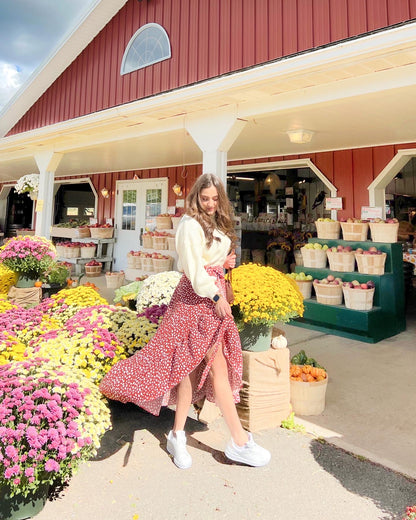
(357, 460)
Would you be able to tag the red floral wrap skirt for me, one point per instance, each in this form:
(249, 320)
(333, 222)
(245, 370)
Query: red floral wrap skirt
(189, 330)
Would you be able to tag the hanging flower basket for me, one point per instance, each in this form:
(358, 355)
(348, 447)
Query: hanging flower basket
(28, 184)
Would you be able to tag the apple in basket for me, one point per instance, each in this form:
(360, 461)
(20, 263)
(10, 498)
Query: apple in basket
(357, 285)
(329, 280)
(93, 262)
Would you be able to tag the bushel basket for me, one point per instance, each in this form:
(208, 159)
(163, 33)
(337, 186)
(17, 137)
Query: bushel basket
(308, 398)
(341, 261)
(357, 231)
(314, 257)
(328, 294)
(147, 241)
(328, 230)
(159, 242)
(88, 251)
(162, 264)
(358, 299)
(102, 232)
(305, 287)
(114, 280)
(382, 232)
(93, 270)
(163, 223)
(371, 264)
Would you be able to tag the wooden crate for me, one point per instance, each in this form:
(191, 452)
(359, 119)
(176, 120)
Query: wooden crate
(78, 232)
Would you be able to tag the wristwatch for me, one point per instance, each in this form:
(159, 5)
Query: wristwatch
(216, 297)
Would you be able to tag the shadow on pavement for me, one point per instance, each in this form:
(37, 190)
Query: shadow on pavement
(128, 418)
(390, 491)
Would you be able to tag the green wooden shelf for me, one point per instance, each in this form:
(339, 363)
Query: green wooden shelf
(385, 319)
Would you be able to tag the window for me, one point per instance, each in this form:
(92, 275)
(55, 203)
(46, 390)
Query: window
(129, 210)
(153, 202)
(149, 45)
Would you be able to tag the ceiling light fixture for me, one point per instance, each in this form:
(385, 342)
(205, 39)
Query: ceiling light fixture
(300, 136)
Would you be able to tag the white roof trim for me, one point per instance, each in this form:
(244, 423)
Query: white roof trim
(97, 17)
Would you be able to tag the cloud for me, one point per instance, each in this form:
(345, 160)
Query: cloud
(11, 79)
(30, 32)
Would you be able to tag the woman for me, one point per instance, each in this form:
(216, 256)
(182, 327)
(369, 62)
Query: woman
(196, 351)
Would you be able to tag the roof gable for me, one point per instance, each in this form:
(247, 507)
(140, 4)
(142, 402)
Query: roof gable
(101, 12)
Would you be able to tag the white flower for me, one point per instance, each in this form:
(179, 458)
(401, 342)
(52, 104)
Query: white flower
(27, 183)
(157, 289)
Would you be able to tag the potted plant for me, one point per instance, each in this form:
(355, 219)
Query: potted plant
(28, 256)
(55, 279)
(52, 419)
(263, 296)
(28, 184)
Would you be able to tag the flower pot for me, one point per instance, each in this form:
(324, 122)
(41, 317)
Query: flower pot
(51, 288)
(256, 338)
(20, 507)
(24, 281)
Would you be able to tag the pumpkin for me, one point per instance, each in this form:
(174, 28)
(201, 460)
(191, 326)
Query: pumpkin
(307, 373)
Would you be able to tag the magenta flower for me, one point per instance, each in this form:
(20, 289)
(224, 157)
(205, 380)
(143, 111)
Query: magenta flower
(52, 465)
(39, 427)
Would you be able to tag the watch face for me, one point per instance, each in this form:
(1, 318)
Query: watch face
(216, 298)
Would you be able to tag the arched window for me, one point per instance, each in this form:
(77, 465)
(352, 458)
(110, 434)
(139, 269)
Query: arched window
(149, 45)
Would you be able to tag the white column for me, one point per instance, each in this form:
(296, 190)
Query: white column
(47, 163)
(214, 133)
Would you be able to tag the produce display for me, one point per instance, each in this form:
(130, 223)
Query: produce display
(353, 220)
(301, 277)
(306, 369)
(340, 249)
(93, 262)
(370, 251)
(357, 285)
(316, 245)
(328, 280)
(94, 226)
(72, 223)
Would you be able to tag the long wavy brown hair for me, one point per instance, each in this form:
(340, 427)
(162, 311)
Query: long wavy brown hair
(224, 216)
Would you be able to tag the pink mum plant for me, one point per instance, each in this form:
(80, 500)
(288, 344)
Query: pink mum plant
(51, 419)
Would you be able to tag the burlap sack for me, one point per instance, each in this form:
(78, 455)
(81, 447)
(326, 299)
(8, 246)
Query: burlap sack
(265, 395)
(25, 295)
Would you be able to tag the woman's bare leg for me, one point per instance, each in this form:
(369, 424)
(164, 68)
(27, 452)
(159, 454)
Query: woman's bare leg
(224, 398)
(183, 402)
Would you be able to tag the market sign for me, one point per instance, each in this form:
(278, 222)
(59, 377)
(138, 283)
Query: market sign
(333, 203)
(369, 212)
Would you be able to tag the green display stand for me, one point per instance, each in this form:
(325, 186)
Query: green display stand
(385, 319)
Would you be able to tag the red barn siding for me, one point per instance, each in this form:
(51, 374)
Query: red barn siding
(207, 39)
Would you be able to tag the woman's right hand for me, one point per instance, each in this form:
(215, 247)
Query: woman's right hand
(222, 308)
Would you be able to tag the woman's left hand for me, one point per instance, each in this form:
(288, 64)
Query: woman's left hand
(230, 261)
(222, 308)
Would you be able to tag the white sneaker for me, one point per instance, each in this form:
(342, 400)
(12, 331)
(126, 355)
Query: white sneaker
(251, 453)
(176, 446)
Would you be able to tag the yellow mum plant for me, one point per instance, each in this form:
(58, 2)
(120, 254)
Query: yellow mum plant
(264, 296)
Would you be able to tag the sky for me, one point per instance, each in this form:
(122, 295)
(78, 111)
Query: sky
(30, 31)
